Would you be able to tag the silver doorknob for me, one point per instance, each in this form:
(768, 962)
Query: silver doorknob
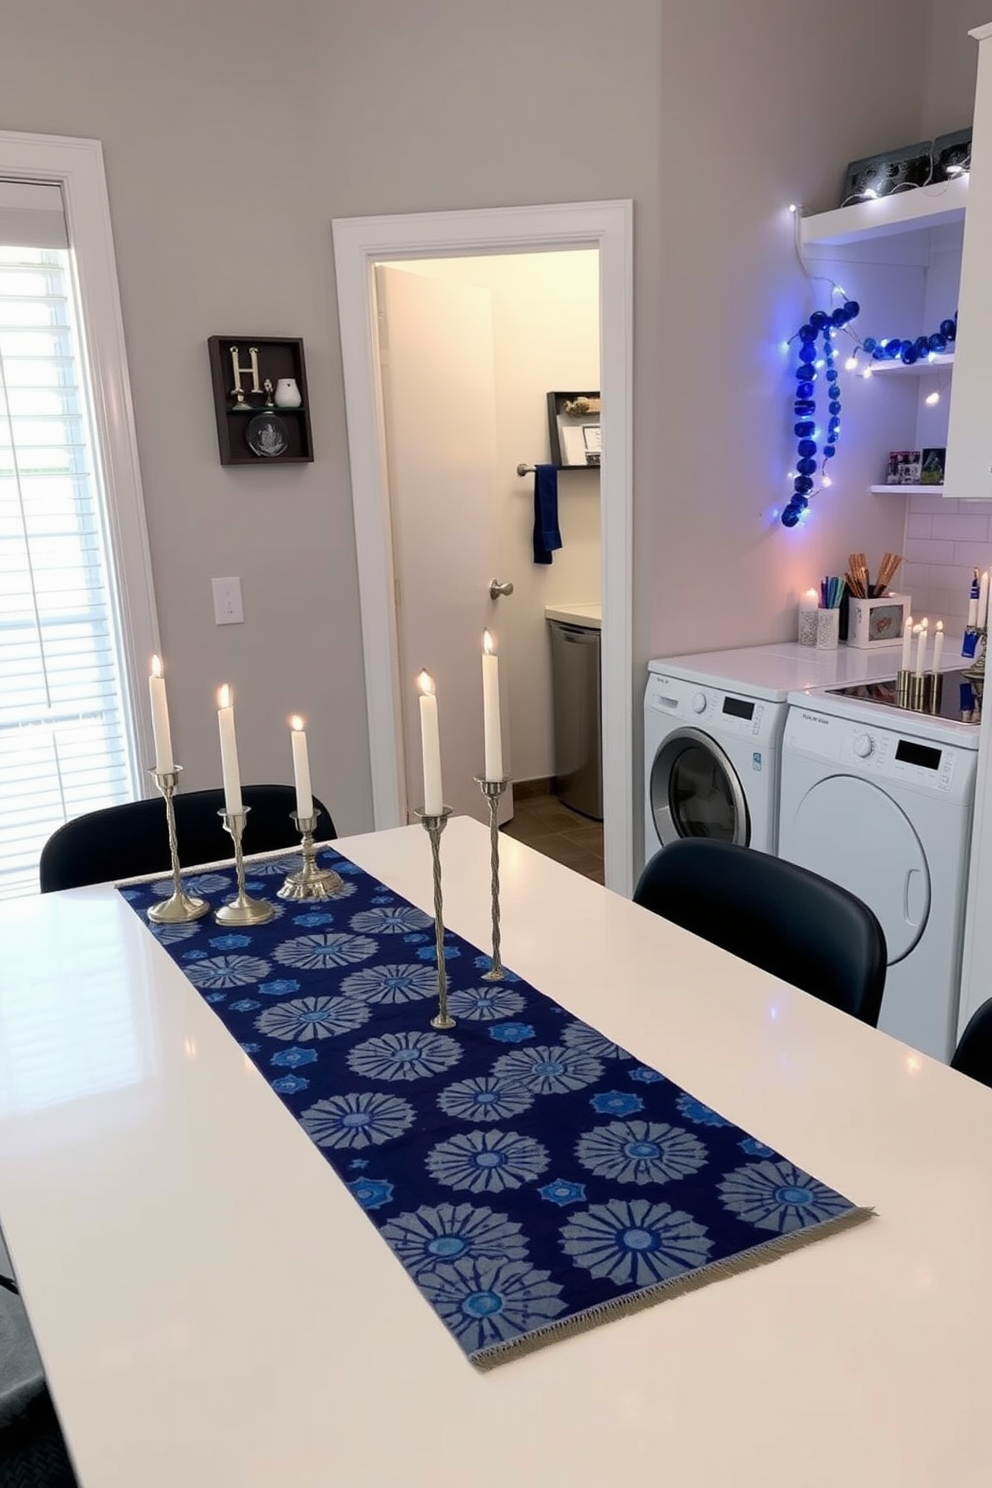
(496, 588)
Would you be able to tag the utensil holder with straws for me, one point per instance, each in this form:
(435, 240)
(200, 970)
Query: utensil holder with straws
(434, 826)
(180, 907)
(860, 582)
(492, 790)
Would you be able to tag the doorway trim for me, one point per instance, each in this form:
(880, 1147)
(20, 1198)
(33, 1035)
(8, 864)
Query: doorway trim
(361, 242)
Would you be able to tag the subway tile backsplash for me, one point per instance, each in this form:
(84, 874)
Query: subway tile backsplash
(945, 541)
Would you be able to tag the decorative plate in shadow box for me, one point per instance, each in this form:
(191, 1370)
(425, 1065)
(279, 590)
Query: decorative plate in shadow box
(267, 435)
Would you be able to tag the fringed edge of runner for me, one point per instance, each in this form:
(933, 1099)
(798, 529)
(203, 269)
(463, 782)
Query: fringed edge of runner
(664, 1291)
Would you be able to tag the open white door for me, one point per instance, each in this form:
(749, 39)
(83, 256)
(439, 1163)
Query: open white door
(359, 244)
(439, 407)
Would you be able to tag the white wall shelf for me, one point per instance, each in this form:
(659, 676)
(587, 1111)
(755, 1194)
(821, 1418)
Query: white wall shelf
(896, 490)
(918, 369)
(907, 211)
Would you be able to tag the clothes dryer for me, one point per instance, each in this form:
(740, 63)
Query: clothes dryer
(880, 800)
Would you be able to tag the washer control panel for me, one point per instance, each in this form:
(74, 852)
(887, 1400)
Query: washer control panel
(711, 708)
(920, 764)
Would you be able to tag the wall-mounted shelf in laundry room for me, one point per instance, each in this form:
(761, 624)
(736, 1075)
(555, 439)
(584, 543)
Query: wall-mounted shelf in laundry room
(940, 361)
(896, 490)
(919, 232)
(907, 211)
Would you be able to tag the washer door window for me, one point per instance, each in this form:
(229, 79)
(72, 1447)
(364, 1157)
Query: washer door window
(695, 791)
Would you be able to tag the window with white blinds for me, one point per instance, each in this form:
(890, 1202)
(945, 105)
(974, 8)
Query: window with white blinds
(66, 742)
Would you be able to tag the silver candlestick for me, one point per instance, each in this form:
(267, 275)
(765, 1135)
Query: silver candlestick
(242, 910)
(976, 672)
(310, 882)
(434, 826)
(180, 907)
(492, 790)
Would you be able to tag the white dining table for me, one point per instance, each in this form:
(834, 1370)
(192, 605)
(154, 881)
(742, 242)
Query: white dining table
(214, 1310)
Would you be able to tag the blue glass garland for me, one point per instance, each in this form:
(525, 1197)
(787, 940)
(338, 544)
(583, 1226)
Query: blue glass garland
(823, 325)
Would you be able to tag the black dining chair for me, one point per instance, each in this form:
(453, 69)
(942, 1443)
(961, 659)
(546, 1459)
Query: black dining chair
(973, 1055)
(783, 918)
(32, 1451)
(130, 840)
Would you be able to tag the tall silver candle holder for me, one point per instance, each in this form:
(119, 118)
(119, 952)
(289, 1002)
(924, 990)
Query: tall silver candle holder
(242, 910)
(976, 672)
(180, 907)
(434, 826)
(492, 790)
(310, 882)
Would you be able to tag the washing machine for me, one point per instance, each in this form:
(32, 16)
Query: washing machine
(713, 725)
(880, 800)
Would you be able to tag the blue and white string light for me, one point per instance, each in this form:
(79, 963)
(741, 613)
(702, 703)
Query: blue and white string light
(823, 326)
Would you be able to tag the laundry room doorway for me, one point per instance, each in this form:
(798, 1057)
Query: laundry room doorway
(434, 503)
(468, 349)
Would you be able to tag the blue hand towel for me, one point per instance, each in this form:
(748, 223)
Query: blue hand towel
(546, 534)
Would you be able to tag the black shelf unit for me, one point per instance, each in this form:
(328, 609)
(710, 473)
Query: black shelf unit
(278, 356)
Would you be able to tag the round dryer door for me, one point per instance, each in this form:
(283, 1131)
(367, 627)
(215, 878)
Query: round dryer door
(851, 832)
(695, 791)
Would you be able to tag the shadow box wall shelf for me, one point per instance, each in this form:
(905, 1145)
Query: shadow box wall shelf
(261, 400)
(574, 431)
(918, 228)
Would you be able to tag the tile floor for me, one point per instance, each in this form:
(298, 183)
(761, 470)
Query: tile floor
(551, 828)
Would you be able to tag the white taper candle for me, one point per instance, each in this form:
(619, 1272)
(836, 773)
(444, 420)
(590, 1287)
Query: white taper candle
(921, 648)
(301, 767)
(938, 645)
(430, 743)
(161, 732)
(907, 644)
(983, 601)
(229, 752)
(490, 709)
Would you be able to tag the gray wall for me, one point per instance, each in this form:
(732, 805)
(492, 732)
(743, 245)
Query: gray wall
(232, 141)
(951, 65)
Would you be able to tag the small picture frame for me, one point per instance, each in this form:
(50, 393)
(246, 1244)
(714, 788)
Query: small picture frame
(932, 462)
(574, 430)
(904, 468)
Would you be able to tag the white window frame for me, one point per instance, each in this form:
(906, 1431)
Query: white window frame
(76, 165)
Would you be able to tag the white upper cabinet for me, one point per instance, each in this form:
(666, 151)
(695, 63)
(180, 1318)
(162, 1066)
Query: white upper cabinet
(968, 474)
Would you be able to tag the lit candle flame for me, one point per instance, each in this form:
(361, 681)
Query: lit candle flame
(296, 723)
(156, 666)
(224, 697)
(487, 643)
(426, 683)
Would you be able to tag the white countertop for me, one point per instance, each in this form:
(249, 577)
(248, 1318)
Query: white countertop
(214, 1310)
(590, 615)
(774, 671)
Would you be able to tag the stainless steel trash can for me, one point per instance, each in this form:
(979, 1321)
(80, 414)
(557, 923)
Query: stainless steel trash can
(575, 675)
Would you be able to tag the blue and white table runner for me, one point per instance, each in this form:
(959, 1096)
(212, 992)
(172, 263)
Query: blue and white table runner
(532, 1177)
